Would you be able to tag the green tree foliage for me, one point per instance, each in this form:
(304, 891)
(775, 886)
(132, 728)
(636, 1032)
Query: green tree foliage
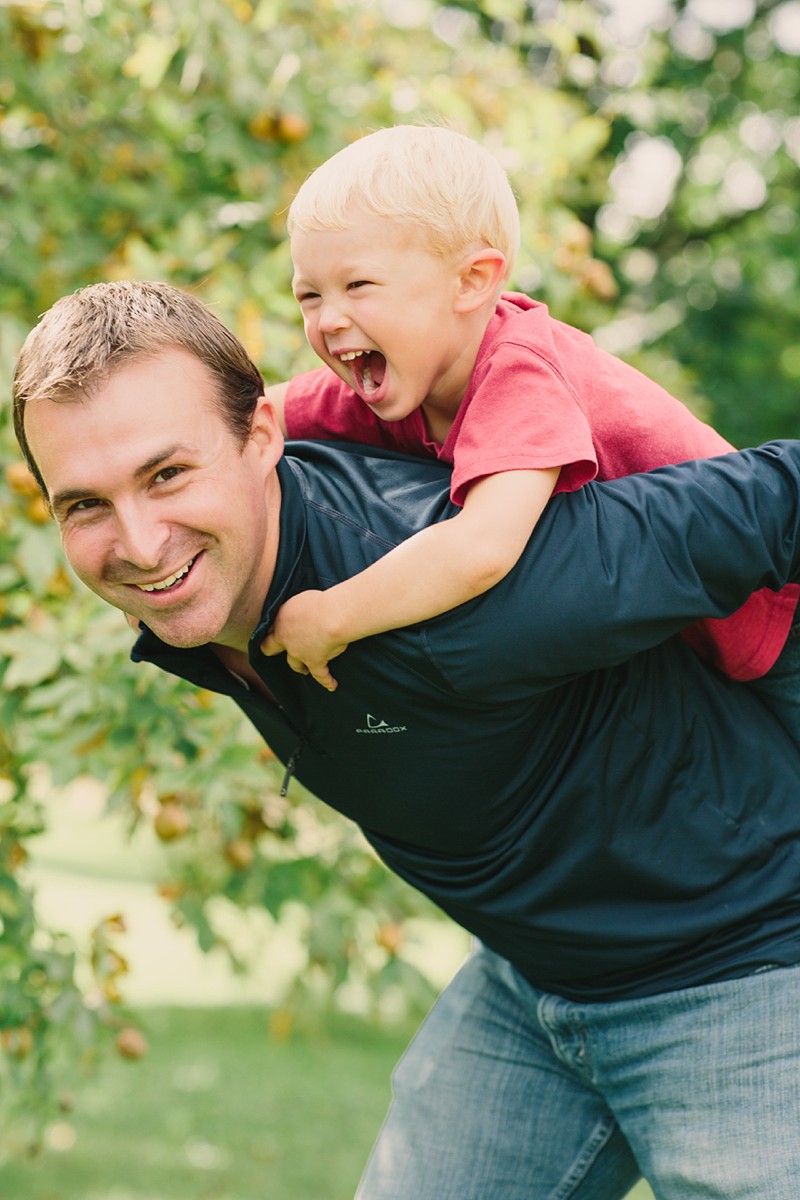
(692, 200)
(656, 167)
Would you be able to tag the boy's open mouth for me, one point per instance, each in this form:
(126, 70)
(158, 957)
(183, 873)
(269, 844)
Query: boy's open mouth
(368, 368)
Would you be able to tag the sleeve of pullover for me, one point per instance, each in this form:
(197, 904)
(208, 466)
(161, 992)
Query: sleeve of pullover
(620, 566)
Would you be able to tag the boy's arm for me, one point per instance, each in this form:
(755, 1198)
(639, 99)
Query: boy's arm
(435, 570)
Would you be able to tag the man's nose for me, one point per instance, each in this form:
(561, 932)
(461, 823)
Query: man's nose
(141, 536)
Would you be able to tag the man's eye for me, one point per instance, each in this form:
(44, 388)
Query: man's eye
(77, 510)
(167, 473)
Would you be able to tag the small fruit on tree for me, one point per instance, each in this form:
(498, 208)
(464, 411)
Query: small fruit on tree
(240, 853)
(131, 1043)
(171, 821)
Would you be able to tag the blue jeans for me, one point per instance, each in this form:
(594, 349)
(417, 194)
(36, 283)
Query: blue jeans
(507, 1093)
(780, 687)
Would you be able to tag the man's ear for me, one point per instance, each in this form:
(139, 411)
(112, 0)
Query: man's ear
(265, 432)
(480, 278)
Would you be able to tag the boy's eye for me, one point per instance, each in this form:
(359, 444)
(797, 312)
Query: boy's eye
(358, 283)
(302, 297)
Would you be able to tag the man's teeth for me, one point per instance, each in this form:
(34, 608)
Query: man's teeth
(167, 583)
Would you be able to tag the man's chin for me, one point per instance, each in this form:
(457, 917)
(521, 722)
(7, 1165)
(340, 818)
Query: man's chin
(181, 636)
(182, 639)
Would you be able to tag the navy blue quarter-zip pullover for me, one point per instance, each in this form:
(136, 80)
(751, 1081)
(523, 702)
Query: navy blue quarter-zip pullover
(549, 763)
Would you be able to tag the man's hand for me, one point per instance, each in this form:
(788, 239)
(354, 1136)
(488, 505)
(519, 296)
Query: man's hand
(300, 630)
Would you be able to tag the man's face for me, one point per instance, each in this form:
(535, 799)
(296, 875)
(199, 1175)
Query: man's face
(163, 513)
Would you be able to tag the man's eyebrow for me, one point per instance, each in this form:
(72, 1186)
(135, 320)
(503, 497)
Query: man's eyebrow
(162, 457)
(69, 495)
(63, 499)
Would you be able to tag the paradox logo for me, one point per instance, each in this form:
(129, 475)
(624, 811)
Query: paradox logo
(374, 725)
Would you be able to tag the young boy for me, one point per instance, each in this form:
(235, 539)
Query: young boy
(401, 245)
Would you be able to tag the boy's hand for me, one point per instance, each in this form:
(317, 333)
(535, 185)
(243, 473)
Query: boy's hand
(299, 629)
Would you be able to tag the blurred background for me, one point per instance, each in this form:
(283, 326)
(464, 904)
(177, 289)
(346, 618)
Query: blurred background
(203, 985)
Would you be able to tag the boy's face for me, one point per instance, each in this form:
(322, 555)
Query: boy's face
(163, 513)
(380, 309)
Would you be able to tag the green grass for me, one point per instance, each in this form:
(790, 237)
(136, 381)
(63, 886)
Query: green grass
(220, 1110)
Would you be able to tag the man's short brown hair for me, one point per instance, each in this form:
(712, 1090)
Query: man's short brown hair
(87, 336)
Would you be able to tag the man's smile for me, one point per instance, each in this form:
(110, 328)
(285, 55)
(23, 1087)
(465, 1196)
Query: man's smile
(171, 581)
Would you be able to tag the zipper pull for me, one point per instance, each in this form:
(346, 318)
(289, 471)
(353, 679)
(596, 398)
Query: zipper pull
(291, 767)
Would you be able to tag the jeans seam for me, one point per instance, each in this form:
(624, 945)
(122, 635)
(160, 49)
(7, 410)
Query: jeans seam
(580, 1168)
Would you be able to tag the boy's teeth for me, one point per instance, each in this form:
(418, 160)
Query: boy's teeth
(166, 583)
(351, 354)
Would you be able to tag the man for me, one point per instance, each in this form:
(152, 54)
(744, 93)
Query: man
(616, 823)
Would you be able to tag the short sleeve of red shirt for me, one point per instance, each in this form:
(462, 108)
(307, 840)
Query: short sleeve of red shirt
(520, 413)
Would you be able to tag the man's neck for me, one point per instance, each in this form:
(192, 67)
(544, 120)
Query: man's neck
(235, 657)
(237, 662)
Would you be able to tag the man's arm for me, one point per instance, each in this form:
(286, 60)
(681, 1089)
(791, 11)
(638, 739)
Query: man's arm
(621, 566)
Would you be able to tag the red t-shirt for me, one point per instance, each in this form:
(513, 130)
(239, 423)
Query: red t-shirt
(541, 395)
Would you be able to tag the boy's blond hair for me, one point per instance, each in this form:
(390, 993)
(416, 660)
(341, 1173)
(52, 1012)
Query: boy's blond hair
(440, 180)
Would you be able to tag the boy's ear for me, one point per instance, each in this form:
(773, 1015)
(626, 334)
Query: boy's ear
(480, 278)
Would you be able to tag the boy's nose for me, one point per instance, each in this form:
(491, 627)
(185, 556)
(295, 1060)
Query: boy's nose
(332, 318)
